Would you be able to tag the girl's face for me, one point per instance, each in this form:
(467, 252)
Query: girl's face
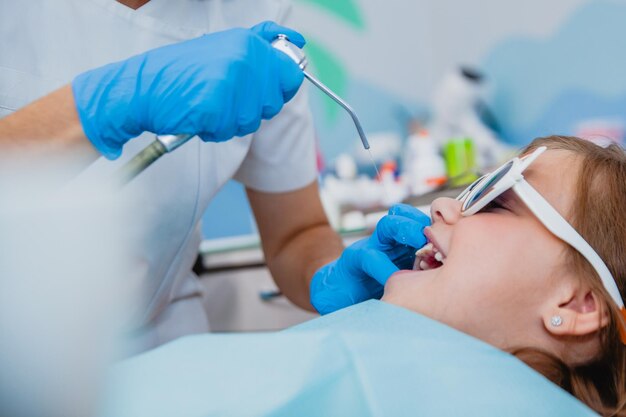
(501, 269)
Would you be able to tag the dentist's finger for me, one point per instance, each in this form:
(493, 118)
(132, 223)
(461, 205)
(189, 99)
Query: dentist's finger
(392, 230)
(410, 212)
(377, 265)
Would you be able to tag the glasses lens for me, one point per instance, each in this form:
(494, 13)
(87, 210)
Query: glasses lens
(487, 185)
(463, 195)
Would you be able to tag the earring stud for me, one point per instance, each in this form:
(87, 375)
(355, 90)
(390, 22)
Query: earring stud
(556, 321)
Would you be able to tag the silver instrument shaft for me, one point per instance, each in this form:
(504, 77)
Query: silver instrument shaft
(342, 103)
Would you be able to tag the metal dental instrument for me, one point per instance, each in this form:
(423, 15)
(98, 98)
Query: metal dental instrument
(159, 147)
(168, 143)
(282, 44)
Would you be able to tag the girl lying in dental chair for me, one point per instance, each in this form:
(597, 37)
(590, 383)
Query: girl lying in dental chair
(530, 259)
(536, 266)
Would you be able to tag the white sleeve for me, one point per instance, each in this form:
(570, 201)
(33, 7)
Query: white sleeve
(282, 155)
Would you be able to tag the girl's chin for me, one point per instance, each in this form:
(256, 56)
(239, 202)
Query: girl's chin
(403, 272)
(405, 281)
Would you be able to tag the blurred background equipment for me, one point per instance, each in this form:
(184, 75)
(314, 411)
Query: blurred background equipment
(457, 104)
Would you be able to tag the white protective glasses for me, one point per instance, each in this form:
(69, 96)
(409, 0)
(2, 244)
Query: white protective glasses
(509, 176)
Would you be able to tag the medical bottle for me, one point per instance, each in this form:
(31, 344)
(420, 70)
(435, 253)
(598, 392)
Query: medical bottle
(424, 167)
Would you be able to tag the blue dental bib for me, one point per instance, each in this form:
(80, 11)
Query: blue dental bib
(372, 359)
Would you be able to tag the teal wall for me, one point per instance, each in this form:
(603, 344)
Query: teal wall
(549, 85)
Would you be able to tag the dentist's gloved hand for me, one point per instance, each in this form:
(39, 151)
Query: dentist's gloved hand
(364, 267)
(216, 86)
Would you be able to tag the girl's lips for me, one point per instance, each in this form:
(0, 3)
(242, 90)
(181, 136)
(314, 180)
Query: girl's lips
(431, 238)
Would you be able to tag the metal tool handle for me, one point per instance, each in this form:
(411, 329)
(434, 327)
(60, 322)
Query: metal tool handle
(292, 51)
(139, 162)
(171, 142)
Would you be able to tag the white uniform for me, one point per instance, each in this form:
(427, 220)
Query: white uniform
(45, 43)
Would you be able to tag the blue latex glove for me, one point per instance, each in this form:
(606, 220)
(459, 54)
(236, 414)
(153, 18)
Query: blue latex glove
(216, 86)
(364, 267)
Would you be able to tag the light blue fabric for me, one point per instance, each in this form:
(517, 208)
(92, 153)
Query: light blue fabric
(372, 359)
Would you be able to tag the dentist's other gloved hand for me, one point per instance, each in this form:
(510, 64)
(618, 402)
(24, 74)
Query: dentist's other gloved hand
(216, 86)
(363, 268)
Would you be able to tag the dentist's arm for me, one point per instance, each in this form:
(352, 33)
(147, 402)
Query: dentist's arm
(50, 124)
(216, 86)
(297, 238)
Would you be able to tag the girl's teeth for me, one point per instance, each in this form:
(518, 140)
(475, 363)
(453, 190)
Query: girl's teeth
(438, 256)
(426, 248)
(423, 265)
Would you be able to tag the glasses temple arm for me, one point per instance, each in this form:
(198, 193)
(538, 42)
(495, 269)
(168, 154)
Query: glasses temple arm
(556, 224)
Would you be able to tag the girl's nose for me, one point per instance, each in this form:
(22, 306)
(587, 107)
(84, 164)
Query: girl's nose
(447, 210)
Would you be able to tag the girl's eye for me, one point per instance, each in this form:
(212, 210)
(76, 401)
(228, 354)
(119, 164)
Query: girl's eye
(494, 205)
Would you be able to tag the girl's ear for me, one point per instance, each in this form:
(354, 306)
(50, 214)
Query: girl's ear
(578, 316)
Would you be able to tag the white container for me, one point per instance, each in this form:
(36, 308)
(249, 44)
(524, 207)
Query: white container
(424, 168)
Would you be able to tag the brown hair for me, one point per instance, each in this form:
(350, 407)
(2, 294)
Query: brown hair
(598, 214)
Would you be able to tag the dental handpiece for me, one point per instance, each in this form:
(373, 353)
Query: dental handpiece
(167, 143)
